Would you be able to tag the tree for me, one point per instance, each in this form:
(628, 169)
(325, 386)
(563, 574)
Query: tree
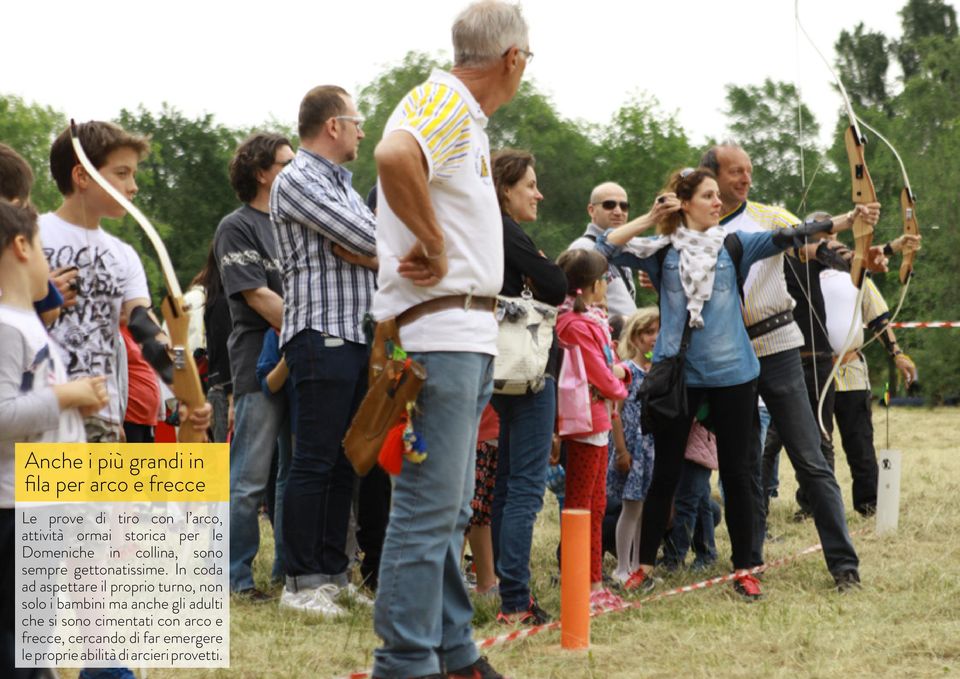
(923, 19)
(565, 154)
(377, 101)
(862, 66)
(184, 185)
(922, 121)
(566, 163)
(764, 121)
(30, 129)
(639, 149)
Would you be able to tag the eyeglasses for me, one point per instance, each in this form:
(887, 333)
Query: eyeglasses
(527, 54)
(357, 120)
(611, 204)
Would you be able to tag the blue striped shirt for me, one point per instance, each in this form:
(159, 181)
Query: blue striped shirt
(313, 206)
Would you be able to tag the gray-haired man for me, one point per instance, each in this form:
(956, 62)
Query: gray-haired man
(439, 243)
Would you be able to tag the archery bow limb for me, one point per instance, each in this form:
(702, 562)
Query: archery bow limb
(908, 214)
(908, 208)
(863, 193)
(186, 378)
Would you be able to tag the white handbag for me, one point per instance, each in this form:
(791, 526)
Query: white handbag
(523, 344)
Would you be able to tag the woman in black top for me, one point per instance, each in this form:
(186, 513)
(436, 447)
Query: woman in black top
(526, 421)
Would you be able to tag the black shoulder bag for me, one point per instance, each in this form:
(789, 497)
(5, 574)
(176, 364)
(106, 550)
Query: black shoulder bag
(663, 393)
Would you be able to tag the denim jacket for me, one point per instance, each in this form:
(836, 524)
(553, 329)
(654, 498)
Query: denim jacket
(720, 353)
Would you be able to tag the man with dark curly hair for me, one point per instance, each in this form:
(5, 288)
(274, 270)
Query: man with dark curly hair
(246, 253)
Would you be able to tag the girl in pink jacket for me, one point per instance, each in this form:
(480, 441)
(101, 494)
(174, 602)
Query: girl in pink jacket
(583, 322)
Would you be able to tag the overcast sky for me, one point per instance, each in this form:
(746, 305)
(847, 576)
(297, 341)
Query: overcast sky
(246, 62)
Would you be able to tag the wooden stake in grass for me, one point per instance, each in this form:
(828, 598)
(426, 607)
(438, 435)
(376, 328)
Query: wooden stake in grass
(575, 579)
(888, 490)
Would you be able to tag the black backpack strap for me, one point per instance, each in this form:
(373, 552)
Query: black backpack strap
(734, 248)
(624, 271)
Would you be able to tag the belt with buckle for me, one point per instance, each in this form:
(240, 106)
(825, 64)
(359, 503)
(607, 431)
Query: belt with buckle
(432, 306)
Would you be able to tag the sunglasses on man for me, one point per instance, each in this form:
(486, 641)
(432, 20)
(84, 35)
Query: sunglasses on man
(611, 204)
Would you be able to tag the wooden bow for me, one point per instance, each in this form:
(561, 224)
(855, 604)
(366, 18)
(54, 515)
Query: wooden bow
(863, 193)
(186, 378)
(908, 213)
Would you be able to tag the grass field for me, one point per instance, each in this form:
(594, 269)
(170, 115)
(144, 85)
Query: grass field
(905, 622)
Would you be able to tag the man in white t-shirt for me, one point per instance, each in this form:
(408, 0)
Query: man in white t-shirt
(440, 247)
(851, 403)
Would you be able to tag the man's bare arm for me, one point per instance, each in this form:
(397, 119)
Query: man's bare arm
(267, 303)
(403, 173)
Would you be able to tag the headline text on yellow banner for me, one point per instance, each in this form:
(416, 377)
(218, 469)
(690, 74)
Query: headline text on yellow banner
(122, 472)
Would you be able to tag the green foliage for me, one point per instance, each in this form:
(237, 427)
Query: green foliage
(763, 120)
(30, 129)
(923, 19)
(863, 63)
(566, 164)
(185, 191)
(639, 149)
(931, 93)
(377, 101)
(184, 183)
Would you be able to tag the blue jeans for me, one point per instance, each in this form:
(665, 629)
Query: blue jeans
(106, 673)
(284, 457)
(257, 422)
(783, 389)
(329, 377)
(692, 510)
(771, 485)
(526, 434)
(423, 612)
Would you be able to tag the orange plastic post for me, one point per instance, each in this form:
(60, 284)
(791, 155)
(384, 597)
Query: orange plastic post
(575, 579)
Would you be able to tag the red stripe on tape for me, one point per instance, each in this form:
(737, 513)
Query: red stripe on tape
(926, 324)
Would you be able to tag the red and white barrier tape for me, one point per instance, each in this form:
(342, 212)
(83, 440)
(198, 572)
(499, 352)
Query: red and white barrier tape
(926, 324)
(526, 633)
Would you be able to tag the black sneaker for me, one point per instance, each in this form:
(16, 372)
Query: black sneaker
(801, 515)
(539, 613)
(480, 669)
(533, 616)
(847, 580)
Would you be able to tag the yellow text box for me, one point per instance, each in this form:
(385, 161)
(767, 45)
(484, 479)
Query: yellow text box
(122, 472)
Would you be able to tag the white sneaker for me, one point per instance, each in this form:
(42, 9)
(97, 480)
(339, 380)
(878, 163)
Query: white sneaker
(316, 600)
(351, 594)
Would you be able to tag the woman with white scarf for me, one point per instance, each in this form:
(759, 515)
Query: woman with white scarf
(697, 280)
